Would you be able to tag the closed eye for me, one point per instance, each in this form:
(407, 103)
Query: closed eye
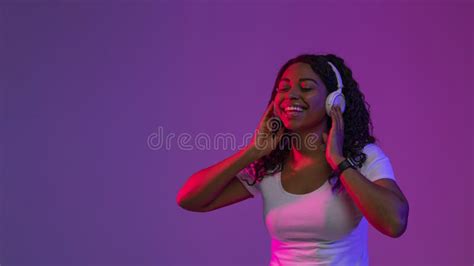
(284, 89)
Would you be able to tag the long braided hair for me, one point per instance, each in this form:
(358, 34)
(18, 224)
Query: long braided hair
(358, 126)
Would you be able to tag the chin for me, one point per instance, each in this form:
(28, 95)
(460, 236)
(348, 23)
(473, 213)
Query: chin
(294, 126)
(301, 125)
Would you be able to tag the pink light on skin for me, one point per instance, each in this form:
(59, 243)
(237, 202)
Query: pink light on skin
(301, 88)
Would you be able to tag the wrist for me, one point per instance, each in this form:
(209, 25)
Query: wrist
(252, 152)
(336, 160)
(344, 165)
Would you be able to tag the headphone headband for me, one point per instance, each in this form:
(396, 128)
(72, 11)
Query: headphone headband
(338, 77)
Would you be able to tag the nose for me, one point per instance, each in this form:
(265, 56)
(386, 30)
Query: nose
(294, 93)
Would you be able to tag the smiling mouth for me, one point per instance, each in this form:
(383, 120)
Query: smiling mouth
(292, 111)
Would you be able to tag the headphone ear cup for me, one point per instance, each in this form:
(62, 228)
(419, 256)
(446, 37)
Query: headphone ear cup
(335, 98)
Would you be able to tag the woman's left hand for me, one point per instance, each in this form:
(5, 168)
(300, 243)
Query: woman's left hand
(334, 142)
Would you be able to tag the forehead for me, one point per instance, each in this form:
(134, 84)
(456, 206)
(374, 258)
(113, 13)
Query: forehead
(299, 70)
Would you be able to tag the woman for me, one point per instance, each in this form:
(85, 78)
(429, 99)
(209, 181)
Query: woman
(318, 195)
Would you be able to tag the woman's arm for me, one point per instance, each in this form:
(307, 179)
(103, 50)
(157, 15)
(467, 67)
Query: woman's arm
(381, 201)
(205, 185)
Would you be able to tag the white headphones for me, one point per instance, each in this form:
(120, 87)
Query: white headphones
(336, 97)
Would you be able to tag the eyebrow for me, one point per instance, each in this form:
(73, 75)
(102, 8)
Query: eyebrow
(301, 80)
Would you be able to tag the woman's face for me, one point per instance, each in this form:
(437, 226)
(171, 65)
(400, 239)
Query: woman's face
(300, 99)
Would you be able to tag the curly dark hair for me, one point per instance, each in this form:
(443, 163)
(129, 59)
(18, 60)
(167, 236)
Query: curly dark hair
(358, 126)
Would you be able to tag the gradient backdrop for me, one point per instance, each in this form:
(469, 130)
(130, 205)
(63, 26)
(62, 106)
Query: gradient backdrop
(85, 84)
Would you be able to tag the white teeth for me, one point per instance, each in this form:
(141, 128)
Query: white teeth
(294, 108)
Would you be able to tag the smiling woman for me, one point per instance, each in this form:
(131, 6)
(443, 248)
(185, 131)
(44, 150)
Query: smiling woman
(319, 201)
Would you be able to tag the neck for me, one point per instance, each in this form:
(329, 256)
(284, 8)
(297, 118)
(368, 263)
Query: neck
(310, 149)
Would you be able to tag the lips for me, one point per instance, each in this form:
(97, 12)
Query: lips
(294, 110)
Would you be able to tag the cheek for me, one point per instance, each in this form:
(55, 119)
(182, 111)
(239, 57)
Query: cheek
(316, 101)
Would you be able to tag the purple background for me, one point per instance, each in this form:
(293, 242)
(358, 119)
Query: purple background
(84, 84)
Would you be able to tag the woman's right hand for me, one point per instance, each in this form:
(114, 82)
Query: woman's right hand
(264, 140)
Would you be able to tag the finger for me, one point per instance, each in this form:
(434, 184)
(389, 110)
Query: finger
(325, 137)
(267, 114)
(341, 119)
(269, 111)
(336, 118)
(280, 133)
(277, 138)
(273, 124)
